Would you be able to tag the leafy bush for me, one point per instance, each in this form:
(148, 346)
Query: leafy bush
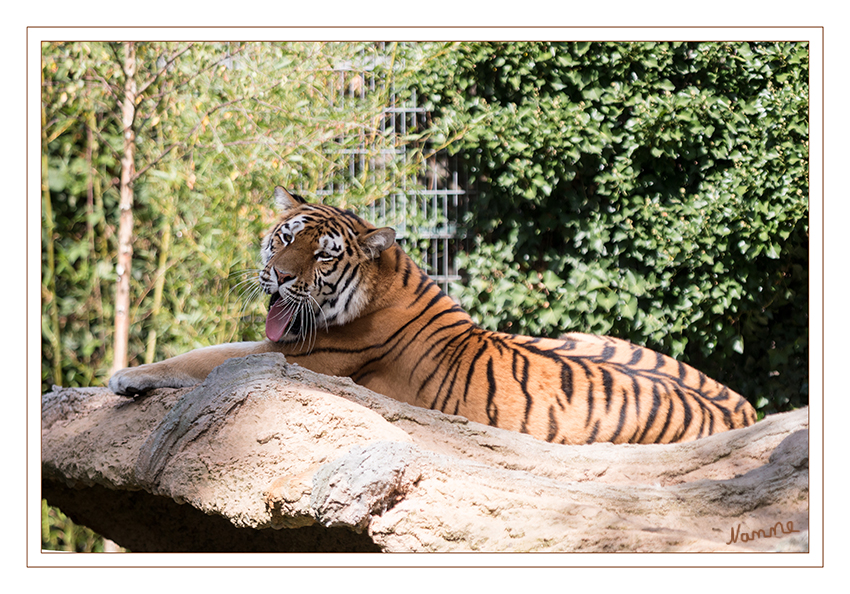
(652, 191)
(60, 533)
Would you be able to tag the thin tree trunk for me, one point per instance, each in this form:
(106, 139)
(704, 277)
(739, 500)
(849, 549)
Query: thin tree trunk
(125, 225)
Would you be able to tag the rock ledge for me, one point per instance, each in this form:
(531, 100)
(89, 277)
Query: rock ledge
(267, 456)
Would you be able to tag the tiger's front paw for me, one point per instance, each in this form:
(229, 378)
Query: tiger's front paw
(132, 381)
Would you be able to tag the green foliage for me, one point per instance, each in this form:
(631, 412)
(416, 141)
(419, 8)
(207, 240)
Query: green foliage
(60, 533)
(652, 191)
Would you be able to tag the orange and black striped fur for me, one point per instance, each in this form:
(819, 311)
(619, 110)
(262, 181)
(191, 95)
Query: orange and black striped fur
(347, 301)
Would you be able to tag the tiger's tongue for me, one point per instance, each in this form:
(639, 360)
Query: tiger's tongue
(277, 321)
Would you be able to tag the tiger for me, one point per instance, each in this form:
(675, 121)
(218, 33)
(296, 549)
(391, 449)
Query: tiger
(346, 300)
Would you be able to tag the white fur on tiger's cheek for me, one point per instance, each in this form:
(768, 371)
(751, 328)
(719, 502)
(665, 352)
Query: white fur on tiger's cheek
(347, 305)
(266, 250)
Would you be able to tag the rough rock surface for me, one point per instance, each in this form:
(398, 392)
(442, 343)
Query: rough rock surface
(268, 456)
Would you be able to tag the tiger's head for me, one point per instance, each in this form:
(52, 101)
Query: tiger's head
(319, 265)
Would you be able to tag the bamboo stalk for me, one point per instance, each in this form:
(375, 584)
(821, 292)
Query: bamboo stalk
(49, 231)
(162, 267)
(97, 231)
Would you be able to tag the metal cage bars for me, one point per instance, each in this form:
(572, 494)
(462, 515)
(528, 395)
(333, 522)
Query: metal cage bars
(428, 210)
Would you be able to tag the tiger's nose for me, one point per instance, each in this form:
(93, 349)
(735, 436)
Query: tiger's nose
(283, 277)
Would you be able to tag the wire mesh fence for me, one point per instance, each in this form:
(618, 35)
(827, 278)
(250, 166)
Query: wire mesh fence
(429, 205)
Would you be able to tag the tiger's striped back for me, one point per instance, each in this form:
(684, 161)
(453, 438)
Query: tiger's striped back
(411, 342)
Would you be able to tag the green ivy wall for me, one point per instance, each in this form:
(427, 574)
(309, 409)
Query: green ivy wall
(657, 192)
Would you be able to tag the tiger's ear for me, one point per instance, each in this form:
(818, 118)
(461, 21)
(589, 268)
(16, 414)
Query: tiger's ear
(284, 200)
(375, 242)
